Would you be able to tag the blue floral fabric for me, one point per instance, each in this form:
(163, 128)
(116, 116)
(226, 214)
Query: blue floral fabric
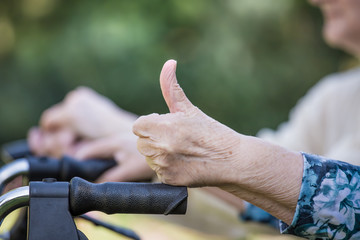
(329, 202)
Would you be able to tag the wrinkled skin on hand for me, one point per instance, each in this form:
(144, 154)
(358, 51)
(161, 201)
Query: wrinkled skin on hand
(88, 125)
(185, 147)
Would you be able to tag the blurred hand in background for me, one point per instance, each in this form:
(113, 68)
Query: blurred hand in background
(88, 125)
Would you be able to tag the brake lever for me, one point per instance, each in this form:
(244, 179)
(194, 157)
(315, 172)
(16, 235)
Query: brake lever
(14, 150)
(120, 230)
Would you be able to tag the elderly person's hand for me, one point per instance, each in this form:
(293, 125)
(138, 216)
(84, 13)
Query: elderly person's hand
(185, 139)
(186, 147)
(83, 114)
(88, 114)
(88, 125)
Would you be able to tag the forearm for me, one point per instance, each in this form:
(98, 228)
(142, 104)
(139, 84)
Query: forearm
(266, 175)
(227, 197)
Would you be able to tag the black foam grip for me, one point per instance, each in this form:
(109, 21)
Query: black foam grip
(110, 198)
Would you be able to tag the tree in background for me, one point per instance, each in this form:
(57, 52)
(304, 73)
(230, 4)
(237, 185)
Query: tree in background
(244, 62)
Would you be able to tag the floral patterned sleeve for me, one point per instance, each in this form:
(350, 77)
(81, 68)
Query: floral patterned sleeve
(329, 202)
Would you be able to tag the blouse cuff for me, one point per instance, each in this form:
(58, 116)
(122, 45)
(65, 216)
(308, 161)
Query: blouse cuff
(329, 201)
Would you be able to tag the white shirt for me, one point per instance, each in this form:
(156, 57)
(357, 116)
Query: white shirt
(326, 121)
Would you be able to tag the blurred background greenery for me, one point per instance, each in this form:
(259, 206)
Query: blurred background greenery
(243, 62)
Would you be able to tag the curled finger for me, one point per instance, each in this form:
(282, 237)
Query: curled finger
(148, 147)
(145, 125)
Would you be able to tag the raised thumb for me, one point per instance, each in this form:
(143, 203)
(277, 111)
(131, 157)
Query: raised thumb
(174, 96)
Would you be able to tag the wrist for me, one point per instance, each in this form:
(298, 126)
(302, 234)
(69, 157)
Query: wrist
(266, 169)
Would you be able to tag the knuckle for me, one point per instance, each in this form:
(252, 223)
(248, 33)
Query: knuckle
(139, 121)
(83, 89)
(144, 123)
(71, 96)
(78, 95)
(45, 116)
(138, 126)
(150, 117)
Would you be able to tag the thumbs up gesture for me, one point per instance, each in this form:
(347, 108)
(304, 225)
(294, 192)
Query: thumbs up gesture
(185, 146)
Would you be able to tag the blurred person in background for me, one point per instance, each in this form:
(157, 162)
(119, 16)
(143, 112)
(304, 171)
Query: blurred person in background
(324, 122)
(315, 197)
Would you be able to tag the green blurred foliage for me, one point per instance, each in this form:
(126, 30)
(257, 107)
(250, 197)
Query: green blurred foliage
(243, 62)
